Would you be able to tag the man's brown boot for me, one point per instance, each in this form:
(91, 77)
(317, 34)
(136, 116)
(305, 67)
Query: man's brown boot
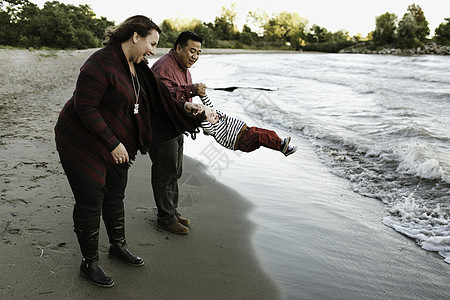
(184, 221)
(176, 227)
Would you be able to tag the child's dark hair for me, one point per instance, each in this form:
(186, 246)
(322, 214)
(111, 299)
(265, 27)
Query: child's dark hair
(184, 37)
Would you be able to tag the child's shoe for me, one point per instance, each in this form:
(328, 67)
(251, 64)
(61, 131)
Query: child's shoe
(285, 144)
(285, 148)
(290, 150)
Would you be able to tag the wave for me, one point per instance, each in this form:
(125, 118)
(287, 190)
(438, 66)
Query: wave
(415, 189)
(412, 131)
(416, 161)
(392, 175)
(380, 124)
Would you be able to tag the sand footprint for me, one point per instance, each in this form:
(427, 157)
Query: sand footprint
(35, 230)
(60, 247)
(143, 209)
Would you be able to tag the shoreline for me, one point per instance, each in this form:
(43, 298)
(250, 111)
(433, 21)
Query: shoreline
(428, 49)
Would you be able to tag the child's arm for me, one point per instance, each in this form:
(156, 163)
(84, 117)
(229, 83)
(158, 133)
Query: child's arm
(206, 101)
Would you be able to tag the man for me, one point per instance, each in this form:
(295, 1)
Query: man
(167, 157)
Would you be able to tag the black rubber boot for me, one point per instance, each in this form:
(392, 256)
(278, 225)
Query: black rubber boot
(87, 234)
(114, 219)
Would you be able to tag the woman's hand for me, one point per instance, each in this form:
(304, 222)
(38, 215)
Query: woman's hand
(120, 154)
(196, 108)
(193, 108)
(211, 115)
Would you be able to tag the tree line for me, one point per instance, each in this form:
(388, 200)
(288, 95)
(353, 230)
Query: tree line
(56, 25)
(65, 26)
(410, 32)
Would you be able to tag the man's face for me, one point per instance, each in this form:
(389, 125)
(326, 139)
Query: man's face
(189, 54)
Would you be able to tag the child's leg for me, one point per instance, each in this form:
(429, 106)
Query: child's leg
(254, 137)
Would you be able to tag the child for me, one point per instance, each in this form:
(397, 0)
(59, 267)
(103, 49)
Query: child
(234, 134)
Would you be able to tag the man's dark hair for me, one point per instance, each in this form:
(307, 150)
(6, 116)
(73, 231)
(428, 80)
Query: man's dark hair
(184, 37)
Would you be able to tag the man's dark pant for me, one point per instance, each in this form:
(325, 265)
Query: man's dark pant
(167, 165)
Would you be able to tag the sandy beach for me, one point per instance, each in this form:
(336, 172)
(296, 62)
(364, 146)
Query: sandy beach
(41, 256)
(349, 254)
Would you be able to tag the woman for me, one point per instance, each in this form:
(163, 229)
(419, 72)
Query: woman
(101, 128)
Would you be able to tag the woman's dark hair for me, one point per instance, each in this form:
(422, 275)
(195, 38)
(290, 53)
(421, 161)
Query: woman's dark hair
(121, 33)
(184, 37)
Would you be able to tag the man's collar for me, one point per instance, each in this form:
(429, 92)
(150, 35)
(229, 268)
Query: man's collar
(174, 55)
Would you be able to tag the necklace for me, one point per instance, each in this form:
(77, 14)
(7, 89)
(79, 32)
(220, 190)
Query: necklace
(136, 94)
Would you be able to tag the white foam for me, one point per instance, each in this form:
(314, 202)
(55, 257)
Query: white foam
(415, 162)
(429, 227)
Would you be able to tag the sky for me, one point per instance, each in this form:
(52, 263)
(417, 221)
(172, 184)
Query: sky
(355, 16)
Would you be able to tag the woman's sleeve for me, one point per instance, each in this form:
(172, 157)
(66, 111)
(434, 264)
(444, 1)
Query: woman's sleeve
(91, 86)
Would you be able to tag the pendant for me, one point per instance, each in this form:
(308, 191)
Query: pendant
(136, 108)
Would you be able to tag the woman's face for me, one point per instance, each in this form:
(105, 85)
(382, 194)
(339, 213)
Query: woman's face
(145, 46)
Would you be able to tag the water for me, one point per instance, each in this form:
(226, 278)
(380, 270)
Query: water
(380, 122)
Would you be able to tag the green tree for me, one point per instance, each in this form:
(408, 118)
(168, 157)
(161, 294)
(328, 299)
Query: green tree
(224, 25)
(320, 39)
(256, 20)
(340, 35)
(285, 29)
(317, 34)
(14, 18)
(17, 10)
(206, 31)
(412, 28)
(442, 33)
(385, 29)
(358, 38)
(4, 25)
(56, 25)
(407, 30)
(422, 24)
(53, 25)
(248, 37)
(341, 39)
(169, 33)
(171, 28)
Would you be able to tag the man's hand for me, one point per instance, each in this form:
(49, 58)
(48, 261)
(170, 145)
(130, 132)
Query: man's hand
(200, 89)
